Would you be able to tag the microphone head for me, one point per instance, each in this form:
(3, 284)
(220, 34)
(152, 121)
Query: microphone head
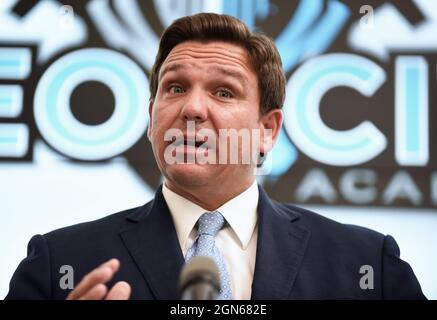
(200, 279)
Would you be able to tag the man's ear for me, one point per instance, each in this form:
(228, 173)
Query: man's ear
(149, 129)
(271, 124)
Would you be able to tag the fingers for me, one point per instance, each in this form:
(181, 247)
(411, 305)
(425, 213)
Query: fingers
(98, 292)
(100, 275)
(120, 291)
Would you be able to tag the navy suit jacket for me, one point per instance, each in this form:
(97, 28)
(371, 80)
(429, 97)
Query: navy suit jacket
(300, 255)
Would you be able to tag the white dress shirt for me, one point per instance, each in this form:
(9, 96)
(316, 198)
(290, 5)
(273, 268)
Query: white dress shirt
(236, 241)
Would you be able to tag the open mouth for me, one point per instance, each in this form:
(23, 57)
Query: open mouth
(190, 142)
(196, 144)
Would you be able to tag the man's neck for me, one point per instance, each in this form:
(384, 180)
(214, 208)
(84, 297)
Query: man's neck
(209, 197)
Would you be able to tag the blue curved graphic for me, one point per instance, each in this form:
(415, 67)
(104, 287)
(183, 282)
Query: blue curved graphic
(310, 31)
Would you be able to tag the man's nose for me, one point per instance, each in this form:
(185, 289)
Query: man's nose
(195, 107)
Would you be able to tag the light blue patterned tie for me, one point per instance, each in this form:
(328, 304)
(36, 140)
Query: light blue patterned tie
(207, 227)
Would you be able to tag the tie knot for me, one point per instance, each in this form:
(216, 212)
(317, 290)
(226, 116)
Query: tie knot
(210, 223)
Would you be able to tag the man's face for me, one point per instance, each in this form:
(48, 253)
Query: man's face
(214, 85)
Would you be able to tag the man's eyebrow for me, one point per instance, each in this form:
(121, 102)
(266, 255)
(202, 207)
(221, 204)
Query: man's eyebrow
(170, 67)
(224, 71)
(231, 73)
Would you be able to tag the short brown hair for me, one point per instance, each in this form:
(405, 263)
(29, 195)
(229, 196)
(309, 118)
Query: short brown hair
(262, 52)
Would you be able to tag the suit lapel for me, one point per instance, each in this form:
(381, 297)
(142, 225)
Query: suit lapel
(153, 244)
(280, 249)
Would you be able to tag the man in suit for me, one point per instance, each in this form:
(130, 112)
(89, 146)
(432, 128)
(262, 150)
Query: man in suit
(212, 71)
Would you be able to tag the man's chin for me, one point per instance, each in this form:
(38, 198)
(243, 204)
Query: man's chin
(190, 174)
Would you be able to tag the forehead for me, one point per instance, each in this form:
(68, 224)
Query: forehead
(214, 52)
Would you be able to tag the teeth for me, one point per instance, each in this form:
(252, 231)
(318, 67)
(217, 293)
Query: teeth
(182, 141)
(178, 142)
(196, 144)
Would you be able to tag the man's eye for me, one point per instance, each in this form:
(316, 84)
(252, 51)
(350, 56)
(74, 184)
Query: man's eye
(176, 89)
(222, 93)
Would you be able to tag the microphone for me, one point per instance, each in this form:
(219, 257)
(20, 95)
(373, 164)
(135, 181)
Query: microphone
(200, 279)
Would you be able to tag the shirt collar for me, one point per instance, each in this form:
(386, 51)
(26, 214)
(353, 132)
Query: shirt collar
(240, 212)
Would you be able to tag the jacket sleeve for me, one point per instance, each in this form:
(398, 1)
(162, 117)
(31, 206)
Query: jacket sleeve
(398, 279)
(32, 279)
